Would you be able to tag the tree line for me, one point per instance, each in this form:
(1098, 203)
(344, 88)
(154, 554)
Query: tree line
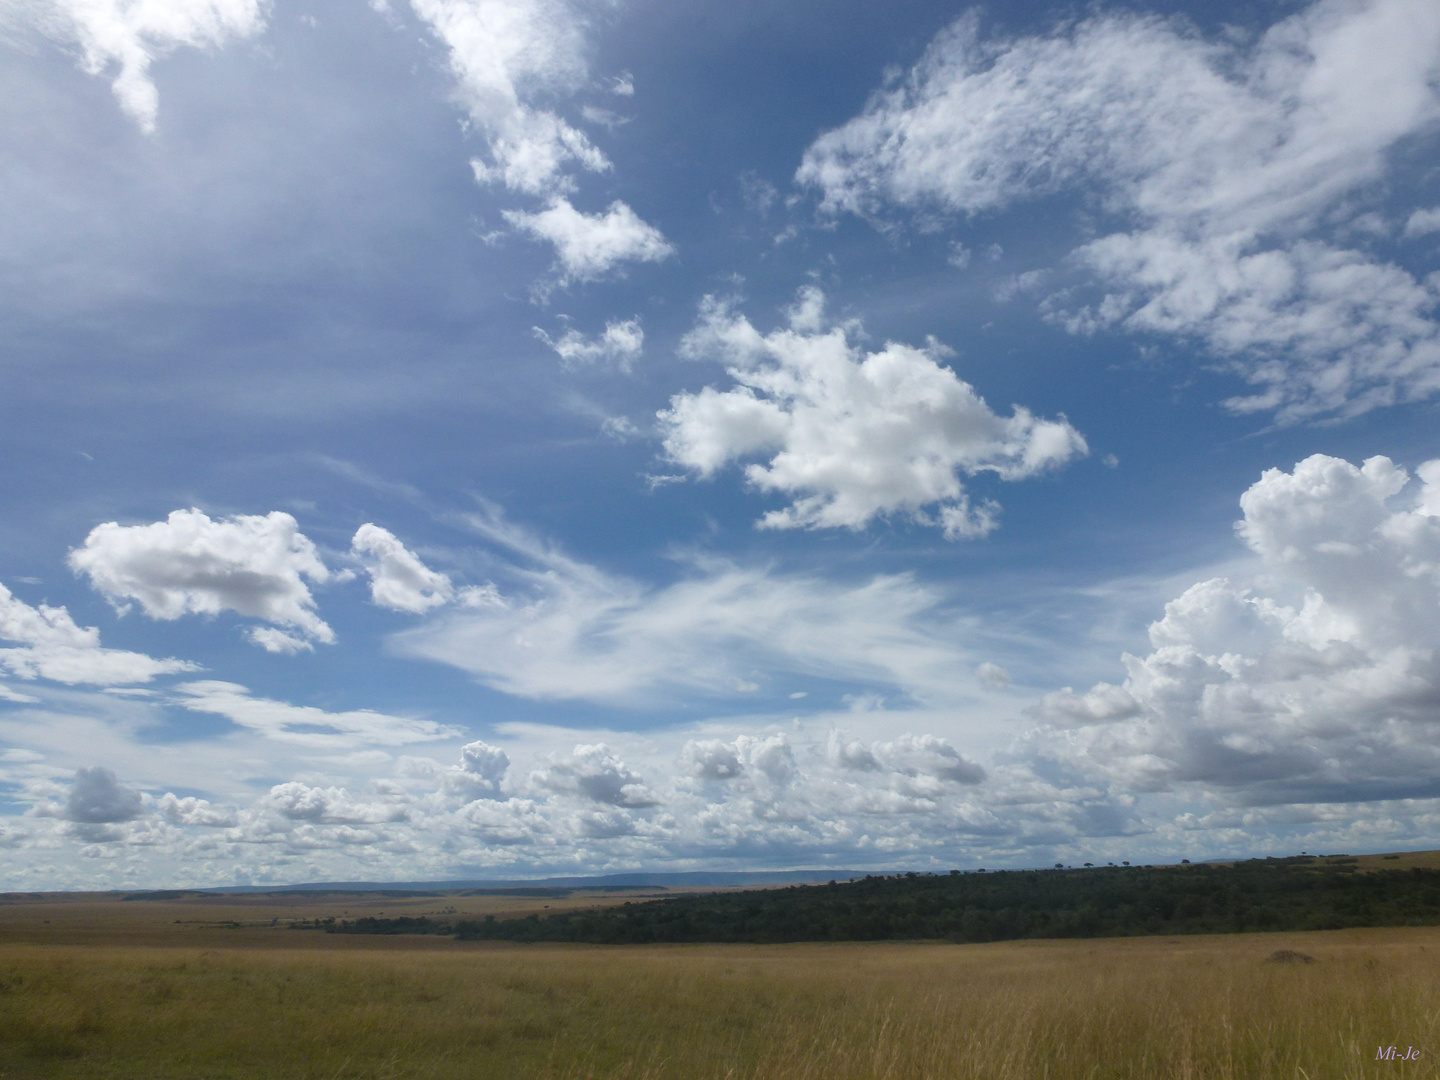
(1276, 894)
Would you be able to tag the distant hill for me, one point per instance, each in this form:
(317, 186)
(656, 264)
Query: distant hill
(695, 879)
(637, 880)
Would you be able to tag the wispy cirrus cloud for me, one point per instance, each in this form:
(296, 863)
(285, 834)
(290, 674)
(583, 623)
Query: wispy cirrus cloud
(503, 55)
(558, 628)
(511, 59)
(620, 345)
(1225, 166)
(305, 725)
(125, 37)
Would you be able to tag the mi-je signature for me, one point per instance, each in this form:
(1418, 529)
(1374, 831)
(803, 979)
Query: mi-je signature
(1392, 1053)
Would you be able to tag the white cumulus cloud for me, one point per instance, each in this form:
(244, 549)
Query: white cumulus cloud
(481, 772)
(332, 805)
(96, 806)
(597, 774)
(98, 798)
(398, 579)
(194, 811)
(850, 435)
(1315, 680)
(928, 755)
(620, 345)
(257, 566)
(589, 246)
(1222, 164)
(910, 756)
(769, 758)
(51, 646)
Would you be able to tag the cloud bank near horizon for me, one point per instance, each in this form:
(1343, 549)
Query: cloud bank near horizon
(1294, 701)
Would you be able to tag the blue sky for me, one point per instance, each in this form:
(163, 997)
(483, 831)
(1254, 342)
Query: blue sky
(463, 438)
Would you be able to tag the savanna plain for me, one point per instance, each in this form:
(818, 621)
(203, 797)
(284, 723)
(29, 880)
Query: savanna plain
(220, 988)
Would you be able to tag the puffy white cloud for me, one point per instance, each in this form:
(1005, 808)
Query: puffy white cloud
(193, 811)
(98, 798)
(928, 755)
(52, 647)
(1102, 702)
(126, 36)
(504, 54)
(1218, 158)
(908, 755)
(95, 807)
(1316, 680)
(569, 630)
(595, 772)
(770, 757)
(620, 345)
(190, 564)
(589, 246)
(851, 435)
(480, 773)
(398, 579)
(507, 824)
(305, 725)
(853, 755)
(712, 759)
(332, 805)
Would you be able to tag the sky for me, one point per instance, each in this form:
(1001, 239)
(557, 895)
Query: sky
(465, 439)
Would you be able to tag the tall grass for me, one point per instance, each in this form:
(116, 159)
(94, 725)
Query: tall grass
(1147, 1009)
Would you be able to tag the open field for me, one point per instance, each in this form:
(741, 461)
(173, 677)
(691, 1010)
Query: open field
(243, 920)
(1397, 860)
(301, 1004)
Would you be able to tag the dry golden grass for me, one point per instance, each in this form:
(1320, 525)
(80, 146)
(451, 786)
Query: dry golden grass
(1399, 860)
(232, 920)
(1147, 1009)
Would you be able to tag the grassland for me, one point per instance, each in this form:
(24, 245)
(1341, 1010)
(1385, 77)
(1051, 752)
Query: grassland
(1397, 860)
(244, 920)
(206, 987)
(219, 1003)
